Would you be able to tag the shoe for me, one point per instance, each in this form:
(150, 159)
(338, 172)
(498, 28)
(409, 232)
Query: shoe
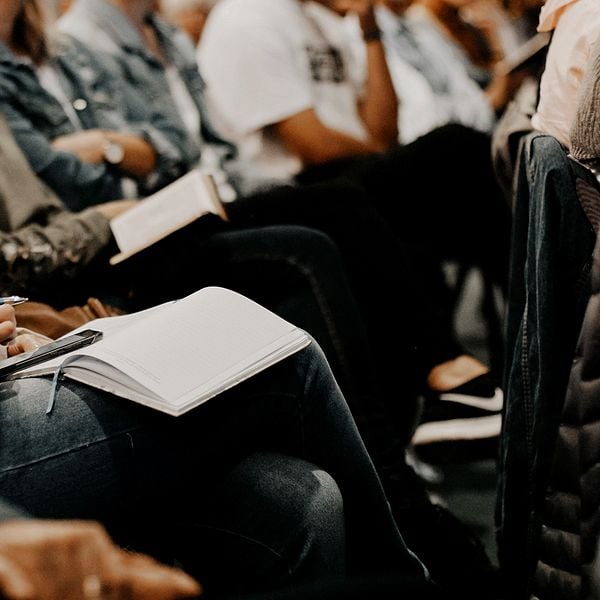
(471, 411)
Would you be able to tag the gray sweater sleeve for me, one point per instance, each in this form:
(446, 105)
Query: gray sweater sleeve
(61, 244)
(585, 131)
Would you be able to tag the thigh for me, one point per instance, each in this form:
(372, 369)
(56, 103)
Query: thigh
(100, 457)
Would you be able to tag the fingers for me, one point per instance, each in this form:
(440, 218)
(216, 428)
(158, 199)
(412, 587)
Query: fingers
(142, 577)
(26, 342)
(8, 322)
(14, 582)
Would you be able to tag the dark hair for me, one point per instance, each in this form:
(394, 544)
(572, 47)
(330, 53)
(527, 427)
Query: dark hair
(28, 34)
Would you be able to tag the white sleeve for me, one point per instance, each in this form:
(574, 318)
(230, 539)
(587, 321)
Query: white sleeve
(253, 76)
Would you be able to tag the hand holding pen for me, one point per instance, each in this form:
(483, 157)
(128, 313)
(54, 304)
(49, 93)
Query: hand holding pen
(12, 300)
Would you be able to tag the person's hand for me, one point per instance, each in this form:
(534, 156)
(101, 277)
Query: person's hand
(87, 145)
(76, 560)
(364, 9)
(8, 323)
(113, 209)
(25, 340)
(17, 340)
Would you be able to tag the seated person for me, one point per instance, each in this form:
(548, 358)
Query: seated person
(418, 51)
(585, 132)
(266, 485)
(48, 252)
(474, 31)
(88, 148)
(575, 26)
(303, 119)
(339, 212)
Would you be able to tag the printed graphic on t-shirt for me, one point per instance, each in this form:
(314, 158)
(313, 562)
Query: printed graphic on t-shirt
(326, 64)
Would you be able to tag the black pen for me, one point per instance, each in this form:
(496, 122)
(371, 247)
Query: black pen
(12, 300)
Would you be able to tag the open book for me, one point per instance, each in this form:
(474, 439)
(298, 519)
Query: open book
(164, 212)
(178, 355)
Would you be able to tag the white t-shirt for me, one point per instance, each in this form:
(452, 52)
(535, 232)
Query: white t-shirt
(267, 60)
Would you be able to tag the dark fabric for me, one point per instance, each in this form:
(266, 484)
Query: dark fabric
(571, 510)
(439, 195)
(155, 480)
(400, 308)
(551, 257)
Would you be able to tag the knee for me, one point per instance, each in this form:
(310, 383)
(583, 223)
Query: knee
(308, 503)
(288, 519)
(311, 246)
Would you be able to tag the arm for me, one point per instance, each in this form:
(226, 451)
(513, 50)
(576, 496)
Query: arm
(60, 245)
(119, 107)
(305, 135)
(78, 184)
(139, 158)
(379, 107)
(309, 138)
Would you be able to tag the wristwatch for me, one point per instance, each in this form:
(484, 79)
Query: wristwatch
(113, 152)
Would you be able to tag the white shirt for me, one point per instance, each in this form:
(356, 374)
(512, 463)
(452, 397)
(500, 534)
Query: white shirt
(453, 97)
(417, 111)
(267, 60)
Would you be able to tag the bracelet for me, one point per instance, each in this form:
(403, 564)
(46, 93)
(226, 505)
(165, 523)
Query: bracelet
(372, 35)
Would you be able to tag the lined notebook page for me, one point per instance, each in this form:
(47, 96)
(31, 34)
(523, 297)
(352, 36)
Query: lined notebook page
(194, 341)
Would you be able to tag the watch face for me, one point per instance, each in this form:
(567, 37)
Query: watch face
(113, 153)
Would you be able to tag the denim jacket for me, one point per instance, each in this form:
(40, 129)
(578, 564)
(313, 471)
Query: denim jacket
(553, 242)
(36, 118)
(103, 27)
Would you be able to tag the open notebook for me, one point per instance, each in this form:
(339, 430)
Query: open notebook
(178, 355)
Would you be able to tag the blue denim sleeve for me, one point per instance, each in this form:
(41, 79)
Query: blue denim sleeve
(77, 184)
(117, 106)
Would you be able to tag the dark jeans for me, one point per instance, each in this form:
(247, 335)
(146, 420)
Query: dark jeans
(296, 272)
(409, 328)
(395, 217)
(439, 195)
(213, 486)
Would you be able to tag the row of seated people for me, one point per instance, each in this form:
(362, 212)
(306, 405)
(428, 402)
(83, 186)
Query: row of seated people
(131, 115)
(412, 236)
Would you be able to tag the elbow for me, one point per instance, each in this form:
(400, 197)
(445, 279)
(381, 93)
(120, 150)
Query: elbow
(386, 136)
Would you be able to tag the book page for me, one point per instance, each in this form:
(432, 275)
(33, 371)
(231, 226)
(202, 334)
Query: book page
(207, 341)
(107, 325)
(159, 215)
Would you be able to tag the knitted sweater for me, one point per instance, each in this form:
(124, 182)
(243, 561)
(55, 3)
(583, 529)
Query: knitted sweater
(585, 131)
